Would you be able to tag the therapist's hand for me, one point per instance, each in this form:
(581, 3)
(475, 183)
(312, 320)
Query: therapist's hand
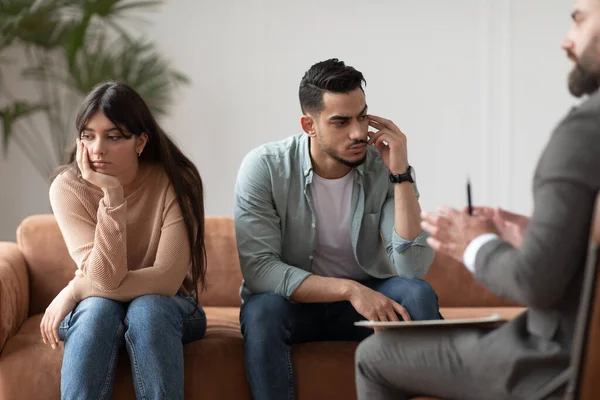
(511, 226)
(451, 230)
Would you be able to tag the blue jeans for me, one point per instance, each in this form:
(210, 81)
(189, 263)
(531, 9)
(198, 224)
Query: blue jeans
(153, 328)
(271, 324)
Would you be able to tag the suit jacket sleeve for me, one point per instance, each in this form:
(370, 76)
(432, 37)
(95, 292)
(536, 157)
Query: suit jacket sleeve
(555, 244)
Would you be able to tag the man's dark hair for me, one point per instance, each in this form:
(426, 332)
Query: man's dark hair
(327, 76)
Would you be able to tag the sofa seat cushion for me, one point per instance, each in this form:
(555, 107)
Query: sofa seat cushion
(323, 369)
(214, 366)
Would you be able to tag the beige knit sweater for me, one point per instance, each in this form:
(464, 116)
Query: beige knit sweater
(126, 247)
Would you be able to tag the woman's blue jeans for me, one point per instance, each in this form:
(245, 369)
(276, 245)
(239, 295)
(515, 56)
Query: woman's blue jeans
(153, 328)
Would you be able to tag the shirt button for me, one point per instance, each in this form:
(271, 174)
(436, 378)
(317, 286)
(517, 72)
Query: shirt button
(310, 257)
(313, 225)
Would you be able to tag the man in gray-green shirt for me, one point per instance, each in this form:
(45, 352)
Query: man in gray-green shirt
(328, 230)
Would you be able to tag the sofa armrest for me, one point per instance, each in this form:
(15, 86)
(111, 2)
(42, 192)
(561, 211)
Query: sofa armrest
(14, 291)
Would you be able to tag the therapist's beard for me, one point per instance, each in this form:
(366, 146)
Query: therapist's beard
(583, 79)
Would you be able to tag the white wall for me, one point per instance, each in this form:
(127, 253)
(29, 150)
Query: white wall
(476, 85)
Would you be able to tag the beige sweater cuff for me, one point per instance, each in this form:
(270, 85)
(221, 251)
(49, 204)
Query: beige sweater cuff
(81, 288)
(113, 196)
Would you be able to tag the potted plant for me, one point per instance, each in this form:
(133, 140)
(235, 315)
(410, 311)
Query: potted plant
(69, 46)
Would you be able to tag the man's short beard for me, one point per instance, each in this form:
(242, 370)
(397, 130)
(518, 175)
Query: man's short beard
(584, 77)
(348, 163)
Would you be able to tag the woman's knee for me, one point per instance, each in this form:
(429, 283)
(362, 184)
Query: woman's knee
(94, 317)
(153, 312)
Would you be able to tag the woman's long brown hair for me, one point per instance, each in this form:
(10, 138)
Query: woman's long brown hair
(125, 108)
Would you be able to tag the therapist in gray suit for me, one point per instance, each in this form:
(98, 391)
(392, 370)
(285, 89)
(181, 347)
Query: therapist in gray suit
(537, 261)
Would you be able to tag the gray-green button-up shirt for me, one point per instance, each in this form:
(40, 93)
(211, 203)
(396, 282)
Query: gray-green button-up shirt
(275, 222)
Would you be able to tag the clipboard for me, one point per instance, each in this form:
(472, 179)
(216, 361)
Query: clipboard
(493, 319)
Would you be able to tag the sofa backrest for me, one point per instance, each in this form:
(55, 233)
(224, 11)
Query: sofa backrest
(456, 286)
(51, 268)
(223, 273)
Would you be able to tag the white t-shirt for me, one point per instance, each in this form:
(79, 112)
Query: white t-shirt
(333, 255)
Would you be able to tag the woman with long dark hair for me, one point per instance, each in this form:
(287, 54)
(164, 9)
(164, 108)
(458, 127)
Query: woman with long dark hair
(131, 211)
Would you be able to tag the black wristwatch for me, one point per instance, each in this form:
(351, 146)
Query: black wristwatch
(408, 176)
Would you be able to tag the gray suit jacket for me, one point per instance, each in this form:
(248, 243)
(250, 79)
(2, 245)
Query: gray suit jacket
(546, 272)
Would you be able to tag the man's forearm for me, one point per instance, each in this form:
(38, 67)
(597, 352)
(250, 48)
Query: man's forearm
(407, 211)
(320, 289)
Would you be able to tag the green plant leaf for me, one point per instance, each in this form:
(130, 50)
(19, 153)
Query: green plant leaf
(6, 130)
(13, 112)
(136, 63)
(118, 15)
(43, 73)
(11, 8)
(76, 39)
(135, 5)
(40, 23)
(113, 8)
(68, 53)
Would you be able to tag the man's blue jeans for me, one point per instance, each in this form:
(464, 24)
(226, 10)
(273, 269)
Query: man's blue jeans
(153, 328)
(271, 324)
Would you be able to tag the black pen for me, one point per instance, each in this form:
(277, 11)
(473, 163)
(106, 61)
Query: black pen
(470, 204)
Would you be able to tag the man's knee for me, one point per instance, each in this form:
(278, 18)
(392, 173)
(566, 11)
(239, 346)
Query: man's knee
(418, 297)
(421, 291)
(264, 315)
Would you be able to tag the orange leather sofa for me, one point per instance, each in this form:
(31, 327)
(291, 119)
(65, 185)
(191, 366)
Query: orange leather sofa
(37, 267)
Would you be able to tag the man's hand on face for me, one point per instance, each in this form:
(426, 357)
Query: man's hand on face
(451, 230)
(395, 153)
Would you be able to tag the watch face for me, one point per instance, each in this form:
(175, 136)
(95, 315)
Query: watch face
(413, 175)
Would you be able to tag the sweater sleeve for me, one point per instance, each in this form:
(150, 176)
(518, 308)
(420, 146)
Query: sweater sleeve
(98, 247)
(164, 277)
